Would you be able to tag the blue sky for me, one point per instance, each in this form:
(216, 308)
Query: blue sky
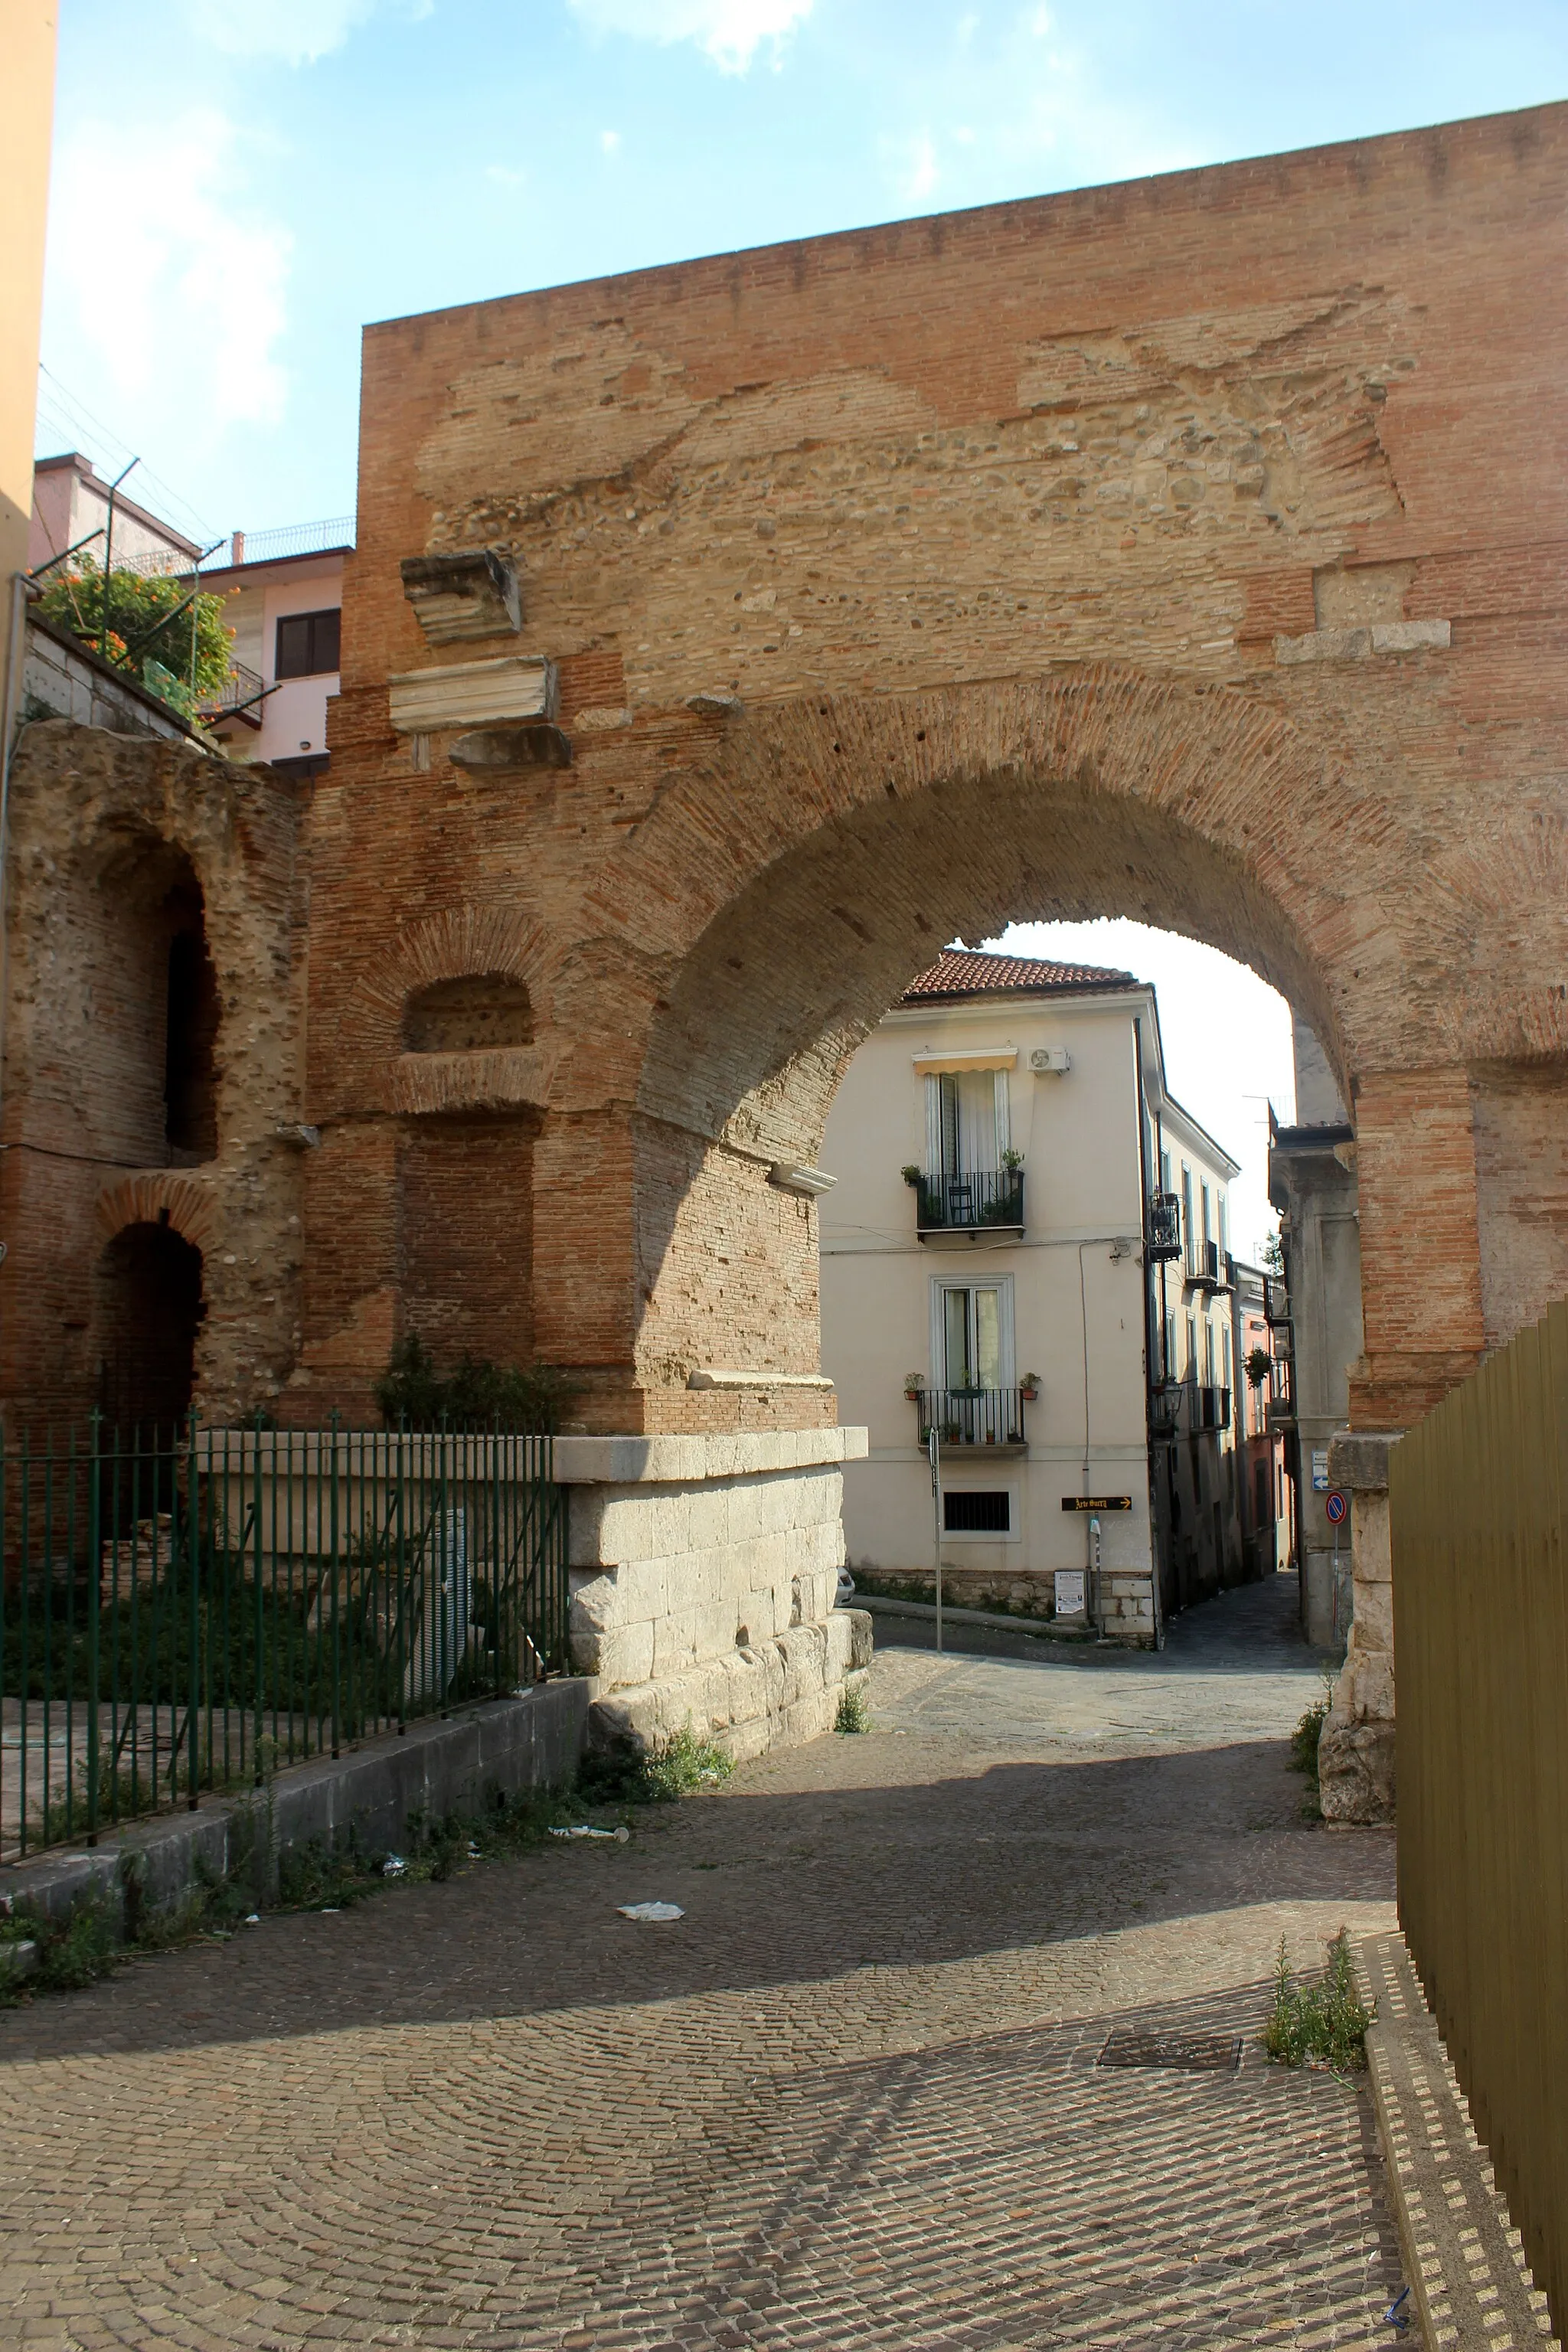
(239, 184)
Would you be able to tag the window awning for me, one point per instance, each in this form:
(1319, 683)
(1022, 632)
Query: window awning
(993, 1057)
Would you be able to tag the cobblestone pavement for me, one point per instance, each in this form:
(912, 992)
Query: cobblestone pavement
(851, 2098)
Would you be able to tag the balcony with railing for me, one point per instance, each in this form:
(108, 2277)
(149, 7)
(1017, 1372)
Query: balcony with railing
(1162, 1238)
(980, 1201)
(1213, 1408)
(241, 695)
(1208, 1267)
(988, 1420)
(1282, 1394)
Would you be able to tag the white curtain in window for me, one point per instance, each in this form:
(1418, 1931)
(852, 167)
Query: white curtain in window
(934, 1163)
(967, 1121)
(971, 1334)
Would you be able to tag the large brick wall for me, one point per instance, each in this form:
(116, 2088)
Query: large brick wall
(1191, 549)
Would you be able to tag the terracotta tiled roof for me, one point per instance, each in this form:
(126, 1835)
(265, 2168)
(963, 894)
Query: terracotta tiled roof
(958, 972)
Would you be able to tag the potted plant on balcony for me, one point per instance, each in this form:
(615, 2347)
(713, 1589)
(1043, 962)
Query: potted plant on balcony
(1030, 1387)
(914, 1387)
(911, 1174)
(1259, 1365)
(1012, 1161)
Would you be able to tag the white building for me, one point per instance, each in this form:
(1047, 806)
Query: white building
(284, 591)
(1000, 1255)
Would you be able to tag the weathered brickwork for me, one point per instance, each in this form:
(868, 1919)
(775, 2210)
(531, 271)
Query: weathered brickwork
(1058, 559)
(146, 877)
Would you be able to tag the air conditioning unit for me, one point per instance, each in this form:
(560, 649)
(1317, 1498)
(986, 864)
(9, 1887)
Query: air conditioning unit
(1048, 1061)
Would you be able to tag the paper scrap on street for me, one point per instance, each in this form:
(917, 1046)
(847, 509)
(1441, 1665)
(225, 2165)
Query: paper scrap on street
(651, 1911)
(620, 1836)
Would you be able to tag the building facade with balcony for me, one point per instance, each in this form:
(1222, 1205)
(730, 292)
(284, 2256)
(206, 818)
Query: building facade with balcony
(1027, 1251)
(1262, 1405)
(285, 592)
(1316, 1313)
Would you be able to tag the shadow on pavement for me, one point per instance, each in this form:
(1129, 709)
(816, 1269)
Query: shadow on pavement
(779, 1886)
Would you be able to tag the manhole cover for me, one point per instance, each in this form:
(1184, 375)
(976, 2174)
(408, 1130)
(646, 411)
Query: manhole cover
(1189, 2053)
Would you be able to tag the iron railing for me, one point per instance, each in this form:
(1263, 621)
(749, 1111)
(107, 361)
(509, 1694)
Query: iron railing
(971, 1202)
(1478, 1521)
(242, 690)
(1211, 1407)
(1281, 1406)
(1162, 1238)
(184, 1608)
(972, 1416)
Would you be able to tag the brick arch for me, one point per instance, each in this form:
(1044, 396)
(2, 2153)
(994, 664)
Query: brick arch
(191, 1208)
(816, 854)
(461, 941)
(864, 832)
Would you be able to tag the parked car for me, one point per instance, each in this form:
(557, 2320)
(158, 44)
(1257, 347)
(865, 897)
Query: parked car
(846, 1592)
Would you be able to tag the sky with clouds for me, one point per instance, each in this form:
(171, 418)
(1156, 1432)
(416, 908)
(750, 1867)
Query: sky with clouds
(239, 184)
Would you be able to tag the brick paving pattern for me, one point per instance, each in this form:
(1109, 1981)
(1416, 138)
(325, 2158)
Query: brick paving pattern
(852, 2097)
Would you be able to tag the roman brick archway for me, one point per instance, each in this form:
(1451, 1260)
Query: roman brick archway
(737, 633)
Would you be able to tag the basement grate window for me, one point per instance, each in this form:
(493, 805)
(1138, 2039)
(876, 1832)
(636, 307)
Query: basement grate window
(984, 1512)
(1186, 2053)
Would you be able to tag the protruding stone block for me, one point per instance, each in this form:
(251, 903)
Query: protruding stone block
(473, 593)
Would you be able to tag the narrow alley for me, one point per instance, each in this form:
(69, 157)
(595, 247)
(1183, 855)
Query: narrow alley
(887, 2083)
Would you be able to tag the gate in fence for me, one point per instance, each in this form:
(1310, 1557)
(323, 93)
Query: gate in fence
(1478, 1521)
(186, 1608)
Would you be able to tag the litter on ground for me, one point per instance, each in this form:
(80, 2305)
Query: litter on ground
(650, 1911)
(620, 1835)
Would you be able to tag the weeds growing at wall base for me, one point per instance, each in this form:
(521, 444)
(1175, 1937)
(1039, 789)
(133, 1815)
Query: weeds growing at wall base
(854, 1714)
(1323, 2023)
(1304, 1743)
(99, 1935)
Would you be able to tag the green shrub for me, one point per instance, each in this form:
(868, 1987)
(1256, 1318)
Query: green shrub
(854, 1714)
(1305, 1738)
(1322, 2024)
(412, 1390)
(657, 1776)
(148, 627)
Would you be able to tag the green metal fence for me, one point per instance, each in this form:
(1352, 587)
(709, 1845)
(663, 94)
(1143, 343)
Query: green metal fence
(187, 1608)
(1478, 1519)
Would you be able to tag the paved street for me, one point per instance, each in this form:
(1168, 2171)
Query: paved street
(851, 2098)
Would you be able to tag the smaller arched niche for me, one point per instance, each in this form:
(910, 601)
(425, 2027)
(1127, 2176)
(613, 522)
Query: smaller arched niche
(149, 1309)
(476, 1013)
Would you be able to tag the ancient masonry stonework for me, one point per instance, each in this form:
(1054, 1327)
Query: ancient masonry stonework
(1193, 551)
(703, 1576)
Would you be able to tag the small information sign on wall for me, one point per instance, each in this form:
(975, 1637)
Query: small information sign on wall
(1070, 1592)
(1320, 1469)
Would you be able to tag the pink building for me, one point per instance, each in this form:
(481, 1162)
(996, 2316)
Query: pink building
(285, 597)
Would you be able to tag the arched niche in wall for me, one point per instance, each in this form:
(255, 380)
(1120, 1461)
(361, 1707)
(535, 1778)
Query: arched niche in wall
(475, 1012)
(465, 1189)
(150, 1052)
(148, 1308)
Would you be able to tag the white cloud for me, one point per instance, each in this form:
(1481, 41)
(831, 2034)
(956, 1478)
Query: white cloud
(911, 165)
(609, 140)
(297, 31)
(730, 31)
(504, 175)
(176, 307)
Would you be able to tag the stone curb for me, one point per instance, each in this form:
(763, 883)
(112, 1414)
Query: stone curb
(1469, 2284)
(535, 1741)
(1038, 1629)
